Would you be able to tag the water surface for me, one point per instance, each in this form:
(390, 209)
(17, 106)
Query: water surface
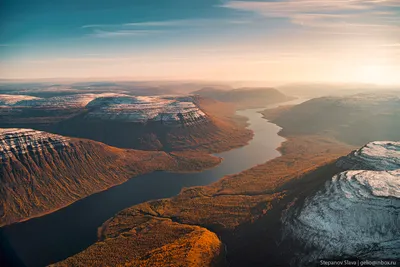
(54, 237)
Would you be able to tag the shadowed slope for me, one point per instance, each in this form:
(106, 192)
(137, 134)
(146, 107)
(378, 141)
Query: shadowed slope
(42, 178)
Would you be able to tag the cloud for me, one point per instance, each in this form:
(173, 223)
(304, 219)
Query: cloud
(339, 14)
(153, 27)
(122, 33)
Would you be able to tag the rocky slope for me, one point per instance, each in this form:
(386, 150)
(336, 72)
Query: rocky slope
(356, 214)
(174, 245)
(142, 109)
(16, 142)
(379, 156)
(237, 209)
(287, 212)
(166, 123)
(59, 102)
(42, 172)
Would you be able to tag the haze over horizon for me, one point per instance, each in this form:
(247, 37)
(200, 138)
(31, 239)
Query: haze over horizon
(345, 41)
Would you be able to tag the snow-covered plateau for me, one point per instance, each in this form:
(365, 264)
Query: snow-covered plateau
(21, 141)
(356, 213)
(120, 107)
(10, 100)
(146, 108)
(379, 155)
(68, 101)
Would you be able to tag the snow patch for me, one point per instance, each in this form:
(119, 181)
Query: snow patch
(16, 141)
(166, 109)
(356, 214)
(8, 100)
(379, 155)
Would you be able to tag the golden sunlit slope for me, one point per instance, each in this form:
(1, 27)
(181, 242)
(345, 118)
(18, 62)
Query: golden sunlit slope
(44, 179)
(146, 123)
(218, 131)
(155, 242)
(230, 207)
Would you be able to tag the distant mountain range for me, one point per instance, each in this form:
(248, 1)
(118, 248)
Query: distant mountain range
(355, 119)
(143, 122)
(245, 97)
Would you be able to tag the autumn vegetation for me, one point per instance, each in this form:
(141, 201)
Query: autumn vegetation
(37, 183)
(232, 208)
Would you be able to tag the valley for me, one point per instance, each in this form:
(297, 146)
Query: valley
(45, 230)
(201, 133)
(242, 212)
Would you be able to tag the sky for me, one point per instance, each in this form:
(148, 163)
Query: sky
(220, 40)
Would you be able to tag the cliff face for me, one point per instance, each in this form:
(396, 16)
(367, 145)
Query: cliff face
(237, 209)
(168, 123)
(155, 123)
(287, 212)
(379, 156)
(356, 214)
(41, 172)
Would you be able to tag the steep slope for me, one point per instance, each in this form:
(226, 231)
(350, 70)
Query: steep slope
(246, 210)
(41, 172)
(245, 97)
(168, 123)
(174, 245)
(183, 123)
(356, 119)
(355, 214)
(231, 208)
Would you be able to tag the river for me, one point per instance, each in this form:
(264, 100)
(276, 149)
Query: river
(56, 236)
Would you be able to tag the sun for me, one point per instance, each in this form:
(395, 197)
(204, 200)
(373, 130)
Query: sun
(372, 74)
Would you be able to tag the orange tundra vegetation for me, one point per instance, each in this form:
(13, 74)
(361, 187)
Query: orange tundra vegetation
(51, 179)
(35, 184)
(231, 208)
(220, 130)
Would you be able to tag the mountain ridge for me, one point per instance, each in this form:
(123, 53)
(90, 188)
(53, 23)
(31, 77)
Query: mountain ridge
(38, 179)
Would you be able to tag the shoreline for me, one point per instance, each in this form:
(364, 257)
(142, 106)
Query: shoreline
(189, 180)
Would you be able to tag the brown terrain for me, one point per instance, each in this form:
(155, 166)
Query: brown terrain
(221, 131)
(243, 210)
(236, 221)
(37, 183)
(51, 179)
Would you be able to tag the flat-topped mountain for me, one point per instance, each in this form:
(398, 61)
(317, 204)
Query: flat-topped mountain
(57, 102)
(356, 119)
(246, 97)
(10, 100)
(287, 212)
(142, 109)
(168, 123)
(15, 142)
(355, 214)
(41, 172)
